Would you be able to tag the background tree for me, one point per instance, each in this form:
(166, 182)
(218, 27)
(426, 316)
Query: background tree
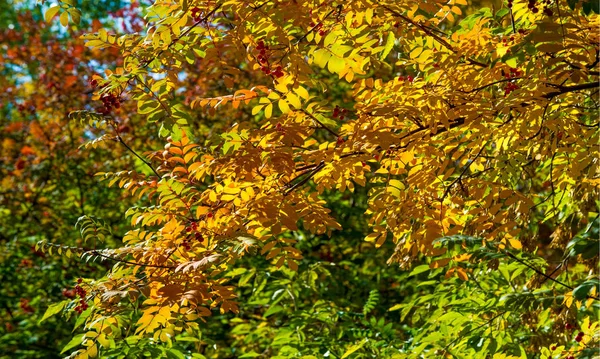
(470, 136)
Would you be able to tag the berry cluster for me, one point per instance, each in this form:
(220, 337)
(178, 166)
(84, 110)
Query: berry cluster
(110, 101)
(196, 12)
(81, 293)
(505, 40)
(532, 6)
(339, 113)
(263, 59)
(186, 245)
(579, 337)
(407, 78)
(192, 229)
(510, 85)
(318, 26)
(547, 10)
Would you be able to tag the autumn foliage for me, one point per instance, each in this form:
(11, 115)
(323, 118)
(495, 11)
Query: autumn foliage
(307, 179)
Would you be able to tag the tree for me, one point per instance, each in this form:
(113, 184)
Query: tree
(46, 181)
(471, 134)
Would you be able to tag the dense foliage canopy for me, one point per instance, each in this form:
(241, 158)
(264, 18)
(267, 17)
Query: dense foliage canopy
(300, 179)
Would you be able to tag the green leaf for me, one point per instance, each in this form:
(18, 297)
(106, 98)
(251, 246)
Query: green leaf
(501, 13)
(73, 343)
(581, 291)
(174, 353)
(53, 310)
(272, 310)
(252, 354)
(354, 348)
(82, 317)
(389, 45)
(419, 269)
(146, 107)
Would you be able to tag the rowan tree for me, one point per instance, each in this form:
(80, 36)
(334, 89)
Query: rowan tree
(457, 141)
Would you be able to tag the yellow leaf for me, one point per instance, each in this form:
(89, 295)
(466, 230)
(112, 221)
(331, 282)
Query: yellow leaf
(461, 274)
(64, 19)
(438, 263)
(336, 64)
(516, 244)
(257, 109)
(269, 111)
(283, 106)
(201, 210)
(301, 91)
(51, 12)
(294, 100)
(568, 300)
(369, 15)
(416, 52)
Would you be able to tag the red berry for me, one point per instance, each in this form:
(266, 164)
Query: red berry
(553, 347)
(79, 280)
(209, 215)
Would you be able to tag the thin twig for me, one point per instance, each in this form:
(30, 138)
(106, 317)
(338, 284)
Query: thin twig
(542, 273)
(138, 156)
